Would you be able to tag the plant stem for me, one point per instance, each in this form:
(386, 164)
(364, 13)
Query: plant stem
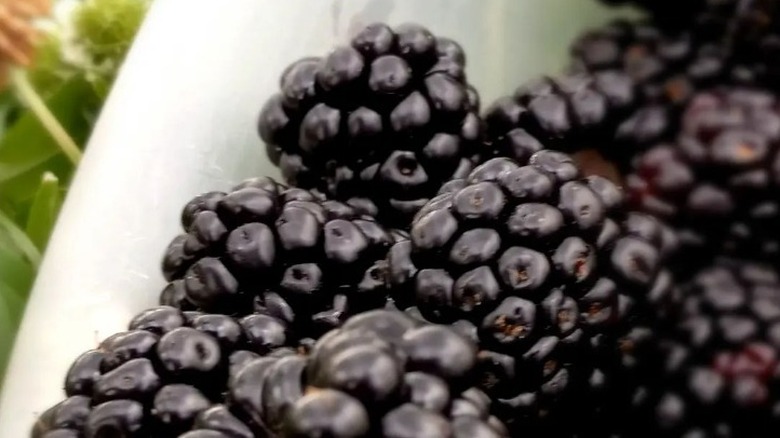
(20, 239)
(34, 102)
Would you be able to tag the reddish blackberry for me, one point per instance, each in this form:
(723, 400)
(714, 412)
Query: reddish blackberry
(718, 183)
(381, 375)
(288, 252)
(385, 120)
(720, 377)
(556, 281)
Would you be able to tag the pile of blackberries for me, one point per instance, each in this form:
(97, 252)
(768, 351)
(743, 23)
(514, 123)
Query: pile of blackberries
(595, 256)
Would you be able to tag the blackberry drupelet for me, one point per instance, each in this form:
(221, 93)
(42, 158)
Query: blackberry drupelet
(283, 251)
(558, 284)
(384, 121)
(166, 374)
(720, 375)
(719, 182)
(381, 375)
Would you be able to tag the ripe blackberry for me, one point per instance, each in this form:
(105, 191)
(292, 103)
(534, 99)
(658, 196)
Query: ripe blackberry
(569, 113)
(718, 182)
(666, 68)
(167, 372)
(551, 276)
(755, 38)
(384, 121)
(683, 14)
(720, 375)
(386, 375)
(627, 85)
(381, 375)
(288, 252)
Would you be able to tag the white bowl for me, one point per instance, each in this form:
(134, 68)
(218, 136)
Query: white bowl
(181, 120)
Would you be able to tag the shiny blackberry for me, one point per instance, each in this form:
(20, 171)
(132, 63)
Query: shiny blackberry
(383, 121)
(280, 251)
(571, 113)
(163, 376)
(557, 279)
(666, 67)
(386, 375)
(718, 182)
(719, 373)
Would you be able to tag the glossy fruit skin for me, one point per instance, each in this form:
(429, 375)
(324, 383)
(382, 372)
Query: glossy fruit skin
(662, 66)
(382, 122)
(717, 183)
(212, 377)
(285, 252)
(558, 278)
(718, 375)
(570, 113)
(383, 374)
(166, 374)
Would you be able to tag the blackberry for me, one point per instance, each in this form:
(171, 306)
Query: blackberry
(559, 285)
(720, 363)
(383, 121)
(381, 374)
(683, 14)
(624, 92)
(166, 374)
(571, 113)
(281, 251)
(755, 38)
(718, 182)
(386, 375)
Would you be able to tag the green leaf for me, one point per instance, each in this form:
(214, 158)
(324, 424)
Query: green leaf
(43, 211)
(16, 273)
(11, 310)
(27, 145)
(19, 192)
(11, 236)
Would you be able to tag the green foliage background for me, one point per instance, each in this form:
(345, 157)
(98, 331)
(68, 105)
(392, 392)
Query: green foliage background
(77, 60)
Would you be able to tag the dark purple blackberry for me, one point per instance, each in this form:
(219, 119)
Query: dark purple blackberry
(384, 121)
(560, 284)
(162, 377)
(570, 113)
(629, 83)
(720, 372)
(382, 374)
(685, 14)
(755, 39)
(284, 252)
(718, 183)
(386, 375)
